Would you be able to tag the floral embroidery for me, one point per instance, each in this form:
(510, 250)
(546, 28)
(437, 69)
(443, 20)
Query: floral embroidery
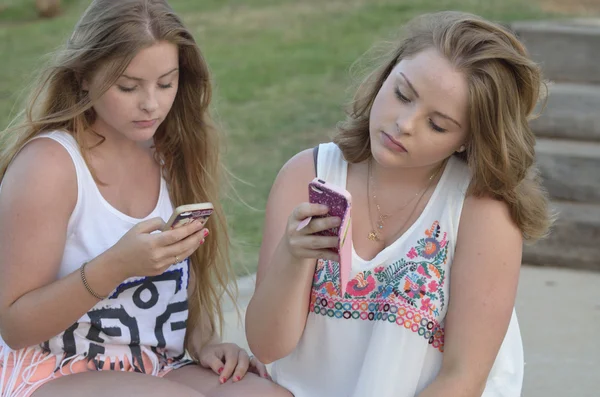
(409, 292)
(432, 247)
(360, 286)
(433, 286)
(412, 254)
(426, 306)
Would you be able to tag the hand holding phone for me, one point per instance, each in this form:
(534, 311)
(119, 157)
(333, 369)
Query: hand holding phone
(144, 251)
(339, 202)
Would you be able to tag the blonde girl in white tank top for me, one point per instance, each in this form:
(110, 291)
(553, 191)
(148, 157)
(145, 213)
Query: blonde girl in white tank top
(438, 157)
(94, 299)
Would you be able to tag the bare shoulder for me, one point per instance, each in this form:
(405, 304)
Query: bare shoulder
(486, 227)
(46, 148)
(479, 211)
(296, 173)
(291, 186)
(42, 173)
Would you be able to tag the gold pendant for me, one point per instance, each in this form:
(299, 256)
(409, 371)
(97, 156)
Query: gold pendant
(373, 236)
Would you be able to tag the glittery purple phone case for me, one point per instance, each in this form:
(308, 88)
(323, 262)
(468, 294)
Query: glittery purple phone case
(339, 202)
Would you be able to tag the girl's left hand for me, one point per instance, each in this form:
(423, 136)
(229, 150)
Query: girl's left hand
(230, 361)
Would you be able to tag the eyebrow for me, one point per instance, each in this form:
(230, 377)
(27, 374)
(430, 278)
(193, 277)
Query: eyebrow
(410, 84)
(445, 116)
(139, 79)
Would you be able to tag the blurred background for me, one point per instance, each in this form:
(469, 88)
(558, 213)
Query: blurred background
(283, 71)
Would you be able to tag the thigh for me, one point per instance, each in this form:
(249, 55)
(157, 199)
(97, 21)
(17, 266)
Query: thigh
(106, 383)
(207, 382)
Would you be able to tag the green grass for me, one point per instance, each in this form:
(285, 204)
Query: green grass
(281, 71)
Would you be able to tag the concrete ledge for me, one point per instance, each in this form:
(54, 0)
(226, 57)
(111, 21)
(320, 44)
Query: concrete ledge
(571, 170)
(575, 239)
(572, 112)
(559, 316)
(566, 49)
(246, 285)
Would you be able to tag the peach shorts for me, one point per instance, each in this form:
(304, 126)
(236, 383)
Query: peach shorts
(21, 374)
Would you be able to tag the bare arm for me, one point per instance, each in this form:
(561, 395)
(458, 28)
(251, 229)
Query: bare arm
(38, 195)
(277, 313)
(483, 286)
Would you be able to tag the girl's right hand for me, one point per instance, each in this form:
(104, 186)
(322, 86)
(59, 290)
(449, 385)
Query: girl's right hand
(304, 244)
(142, 253)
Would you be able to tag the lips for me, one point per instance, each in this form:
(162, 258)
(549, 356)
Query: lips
(145, 123)
(393, 144)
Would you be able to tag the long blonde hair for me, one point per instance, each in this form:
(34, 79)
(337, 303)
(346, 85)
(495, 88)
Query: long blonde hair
(504, 88)
(110, 33)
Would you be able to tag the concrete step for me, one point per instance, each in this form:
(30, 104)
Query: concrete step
(570, 169)
(572, 112)
(566, 49)
(574, 241)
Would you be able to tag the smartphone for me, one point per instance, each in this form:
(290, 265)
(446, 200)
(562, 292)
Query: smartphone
(187, 213)
(339, 202)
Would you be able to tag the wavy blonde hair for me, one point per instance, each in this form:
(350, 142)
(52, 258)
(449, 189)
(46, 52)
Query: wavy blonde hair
(504, 87)
(110, 33)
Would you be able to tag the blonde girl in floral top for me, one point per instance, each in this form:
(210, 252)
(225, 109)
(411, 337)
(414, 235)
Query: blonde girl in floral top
(438, 157)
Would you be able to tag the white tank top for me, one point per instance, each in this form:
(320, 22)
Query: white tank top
(385, 336)
(142, 316)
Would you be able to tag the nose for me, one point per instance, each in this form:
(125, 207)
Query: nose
(149, 104)
(406, 121)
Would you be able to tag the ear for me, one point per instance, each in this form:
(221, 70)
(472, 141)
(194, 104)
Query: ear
(85, 86)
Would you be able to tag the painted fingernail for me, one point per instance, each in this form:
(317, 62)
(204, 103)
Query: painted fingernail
(266, 376)
(201, 241)
(205, 232)
(220, 370)
(304, 223)
(223, 380)
(237, 379)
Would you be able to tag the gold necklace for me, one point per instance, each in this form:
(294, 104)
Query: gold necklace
(375, 233)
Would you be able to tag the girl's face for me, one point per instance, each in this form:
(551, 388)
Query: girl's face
(419, 116)
(142, 97)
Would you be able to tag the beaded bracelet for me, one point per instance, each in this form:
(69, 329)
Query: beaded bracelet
(87, 286)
